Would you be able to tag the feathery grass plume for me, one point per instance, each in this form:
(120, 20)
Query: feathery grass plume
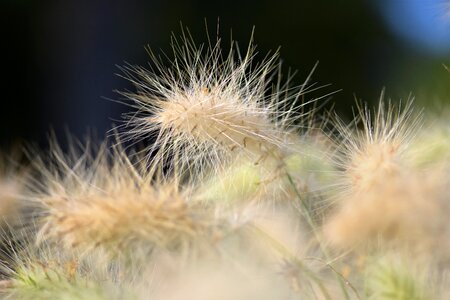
(104, 201)
(45, 272)
(366, 156)
(384, 195)
(396, 278)
(210, 106)
(408, 211)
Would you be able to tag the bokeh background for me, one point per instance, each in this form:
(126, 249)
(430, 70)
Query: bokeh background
(59, 58)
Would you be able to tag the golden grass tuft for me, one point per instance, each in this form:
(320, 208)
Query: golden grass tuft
(209, 107)
(103, 201)
(45, 272)
(372, 175)
(386, 197)
(122, 216)
(397, 278)
(376, 150)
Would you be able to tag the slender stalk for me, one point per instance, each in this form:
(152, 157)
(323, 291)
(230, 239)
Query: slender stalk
(305, 213)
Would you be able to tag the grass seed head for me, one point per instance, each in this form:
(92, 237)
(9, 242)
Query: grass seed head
(46, 273)
(395, 278)
(209, 106)
(376, 152)
(103, 201)
(387, 197)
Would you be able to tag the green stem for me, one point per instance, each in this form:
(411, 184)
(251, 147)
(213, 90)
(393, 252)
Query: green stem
(313, 225)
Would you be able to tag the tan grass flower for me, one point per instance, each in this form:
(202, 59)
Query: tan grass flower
(210, 106)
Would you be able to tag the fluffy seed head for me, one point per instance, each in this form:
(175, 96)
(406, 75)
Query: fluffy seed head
(394, 278)
(45, 272)
(103, 201)
(210, 106)
(388, 196)
(367, 156)
(121, 217)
